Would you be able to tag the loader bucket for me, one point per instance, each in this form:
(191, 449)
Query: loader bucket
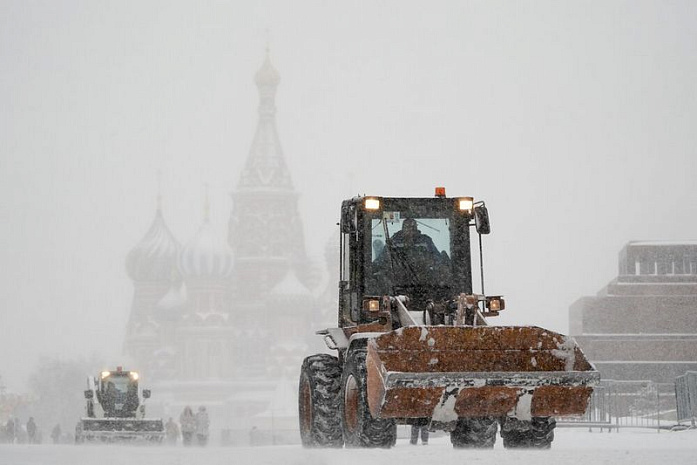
(121, 429)
(446, 372)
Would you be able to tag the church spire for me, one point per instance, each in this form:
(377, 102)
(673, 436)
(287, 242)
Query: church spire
(267, 80)
(265, 167)
(264, 201)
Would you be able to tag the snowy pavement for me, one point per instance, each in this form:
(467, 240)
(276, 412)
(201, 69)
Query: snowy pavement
(577, 446)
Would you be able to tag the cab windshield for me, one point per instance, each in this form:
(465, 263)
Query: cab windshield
(118, 386)
(409, 253)
(118, 396)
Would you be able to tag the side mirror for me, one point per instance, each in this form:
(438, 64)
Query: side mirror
(146, 393)
(89, 394)
(481, 220)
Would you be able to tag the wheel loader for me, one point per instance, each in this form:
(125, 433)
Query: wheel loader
(115, 412)
(413, 344)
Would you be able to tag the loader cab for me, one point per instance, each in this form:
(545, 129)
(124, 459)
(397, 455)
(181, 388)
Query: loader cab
(418, 247)
(117, 393)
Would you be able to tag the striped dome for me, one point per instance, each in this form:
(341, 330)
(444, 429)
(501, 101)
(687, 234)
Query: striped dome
(155, 256)
(206, 255)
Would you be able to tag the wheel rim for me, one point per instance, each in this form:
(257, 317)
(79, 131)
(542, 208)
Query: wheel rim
(305, 406)
(351, 403)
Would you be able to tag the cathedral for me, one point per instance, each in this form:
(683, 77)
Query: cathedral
(226, 321)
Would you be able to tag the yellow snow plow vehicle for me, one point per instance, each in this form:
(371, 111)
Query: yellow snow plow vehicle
(114, 411)
(414, 346)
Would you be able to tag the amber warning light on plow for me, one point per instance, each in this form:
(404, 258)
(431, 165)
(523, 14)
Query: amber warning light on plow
(495, 303)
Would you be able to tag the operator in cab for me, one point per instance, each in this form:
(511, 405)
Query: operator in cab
(411, 259)
(413, 241)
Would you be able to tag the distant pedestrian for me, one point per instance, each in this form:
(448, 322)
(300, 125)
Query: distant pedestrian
(187, 421)
(172, 431)
(10, 430)
(202, 423)
(31, 431)
(20, 432)
(56, 433)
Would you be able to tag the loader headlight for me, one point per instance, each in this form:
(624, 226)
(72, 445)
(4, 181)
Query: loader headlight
(372, 203)
(105, 374)
(134, 375)
(466, 204)
(371, 305)
(495, 303)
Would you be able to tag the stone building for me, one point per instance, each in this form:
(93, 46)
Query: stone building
(226, 321)
(643, 324)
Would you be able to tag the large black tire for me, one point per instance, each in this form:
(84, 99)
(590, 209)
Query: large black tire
(535, 434)
(543, 432)
(359, 427)
(319, 402)
(474, 433)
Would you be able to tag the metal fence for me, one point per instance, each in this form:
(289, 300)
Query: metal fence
(686, 397)
(636, 404)
(598, 411)
(613, 405)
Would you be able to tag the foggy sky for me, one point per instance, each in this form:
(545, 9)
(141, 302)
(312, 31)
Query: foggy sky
(574, 121)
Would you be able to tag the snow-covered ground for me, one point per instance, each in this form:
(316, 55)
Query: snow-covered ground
(571, 446)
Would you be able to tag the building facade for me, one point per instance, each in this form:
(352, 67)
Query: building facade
(226, 321)
(643, 324)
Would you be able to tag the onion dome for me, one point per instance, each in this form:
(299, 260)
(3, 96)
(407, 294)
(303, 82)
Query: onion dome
(155, 256)
(267, 75)
(206, 255)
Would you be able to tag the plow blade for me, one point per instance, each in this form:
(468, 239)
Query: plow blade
(121, 429)
(446, 372)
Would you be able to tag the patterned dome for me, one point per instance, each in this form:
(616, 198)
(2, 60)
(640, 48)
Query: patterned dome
(267, 74)
(155, 256)
(206, 255)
